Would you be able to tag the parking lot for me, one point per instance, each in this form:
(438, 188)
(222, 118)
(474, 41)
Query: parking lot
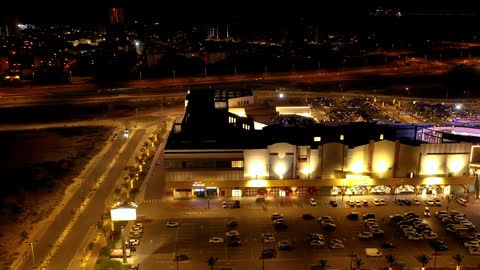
(199, 220)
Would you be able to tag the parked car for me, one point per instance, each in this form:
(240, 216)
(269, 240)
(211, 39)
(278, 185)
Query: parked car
(333, 203)
(387, 245)
(268, 253)
(308, 216)
(353, 215)
(215, 240)
(234, 243)
(312, 202)
(172, 224)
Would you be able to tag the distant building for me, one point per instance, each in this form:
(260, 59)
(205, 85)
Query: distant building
(11, 26)
(116, 15)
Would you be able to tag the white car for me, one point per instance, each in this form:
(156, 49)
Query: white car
(472, 244)
(365, 235)
(269, 239)
(336, 245)
(312, 202)
(416, 201)
(215, 240)
(474, 251)
(231, 233)
(430, 202)
(426, 212)
(317, 243)
(137, 229)
(376, 202)
(382, 202)
(132, 242)
(415, 237)
(172, 224)
(224, 204)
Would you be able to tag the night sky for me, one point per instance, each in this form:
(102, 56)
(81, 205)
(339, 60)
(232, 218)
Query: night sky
(94, 11)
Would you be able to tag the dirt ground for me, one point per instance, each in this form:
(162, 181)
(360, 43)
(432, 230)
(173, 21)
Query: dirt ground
(37, 166)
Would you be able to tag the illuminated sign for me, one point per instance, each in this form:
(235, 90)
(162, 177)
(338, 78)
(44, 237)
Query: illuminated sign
(123, 214)
(198, 184)
(358, 180)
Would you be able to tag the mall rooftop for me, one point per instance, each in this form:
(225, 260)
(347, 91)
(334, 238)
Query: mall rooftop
(209, 126)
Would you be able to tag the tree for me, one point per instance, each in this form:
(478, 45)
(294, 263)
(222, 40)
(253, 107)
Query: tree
(358, 262)
(392, 261)
(211, 261)
(458, 259)
(424, 260)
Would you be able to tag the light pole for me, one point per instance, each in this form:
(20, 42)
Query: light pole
(351, 260)
(33, 253)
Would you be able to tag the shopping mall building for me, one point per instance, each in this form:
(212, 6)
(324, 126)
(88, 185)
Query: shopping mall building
(214, 152)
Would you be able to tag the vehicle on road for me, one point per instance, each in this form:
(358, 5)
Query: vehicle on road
(224, 204)
(426, 211)
(312, 202)
(416, 201)
(333, 203)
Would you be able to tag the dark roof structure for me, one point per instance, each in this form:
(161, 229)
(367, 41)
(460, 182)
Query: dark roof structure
(207, 127)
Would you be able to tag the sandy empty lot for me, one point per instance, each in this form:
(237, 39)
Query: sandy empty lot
(36, 167)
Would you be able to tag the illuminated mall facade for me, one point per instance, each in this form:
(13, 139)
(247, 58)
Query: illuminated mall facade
(215, 153)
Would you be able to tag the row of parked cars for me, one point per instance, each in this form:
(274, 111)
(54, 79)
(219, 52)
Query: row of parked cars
(457, 222)
(374, 229)
(413, 228)
(136, 232)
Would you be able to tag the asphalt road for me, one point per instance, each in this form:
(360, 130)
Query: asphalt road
(95, 209)
(198, 223)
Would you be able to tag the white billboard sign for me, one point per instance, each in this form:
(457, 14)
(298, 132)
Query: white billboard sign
(123, 214)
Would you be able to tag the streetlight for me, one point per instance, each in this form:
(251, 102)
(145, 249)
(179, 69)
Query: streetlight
(33, 253)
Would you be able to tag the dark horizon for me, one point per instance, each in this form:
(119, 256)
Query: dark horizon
(93, 12)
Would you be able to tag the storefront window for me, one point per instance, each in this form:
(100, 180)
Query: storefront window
(237, 164)
(236, 193)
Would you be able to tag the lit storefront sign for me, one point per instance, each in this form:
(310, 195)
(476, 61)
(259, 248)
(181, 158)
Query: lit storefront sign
(358, 180)
(198, 184)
